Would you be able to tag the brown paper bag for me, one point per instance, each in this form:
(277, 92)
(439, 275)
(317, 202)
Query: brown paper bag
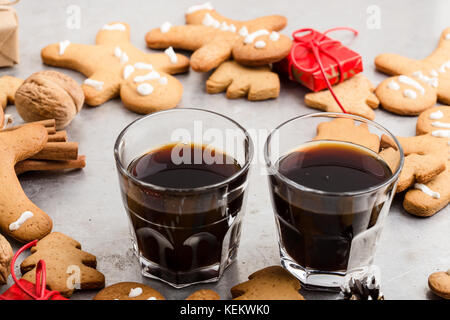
(9, 34)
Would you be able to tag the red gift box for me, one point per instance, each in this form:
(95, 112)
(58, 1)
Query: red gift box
(312, 48)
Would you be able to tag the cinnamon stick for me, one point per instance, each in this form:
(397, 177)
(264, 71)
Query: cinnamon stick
(49, 165)
(58, 151)
(59, 136)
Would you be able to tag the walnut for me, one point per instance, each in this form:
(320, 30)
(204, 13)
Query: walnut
(49, 95)
(6, 254)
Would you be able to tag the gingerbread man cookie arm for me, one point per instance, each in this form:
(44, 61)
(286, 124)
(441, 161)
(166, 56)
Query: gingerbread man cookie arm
(169, 62)
(427, 199)
(394, 64)
(19, 217)
(8, 88)
(272, 22)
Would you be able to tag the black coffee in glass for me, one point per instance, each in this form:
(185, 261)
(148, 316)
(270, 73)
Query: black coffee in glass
(183, 227)
(314, 237)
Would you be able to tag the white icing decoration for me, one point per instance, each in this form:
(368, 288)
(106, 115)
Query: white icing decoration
(410, 94)
(163, 80)
(274, 36)
(149, 76)
(97, 85)
(205, 6)
(152, 298)
(436, 115)
(224, 26)
(165, 27)
(393, 85)
(63, 46)
(447, 36)
(142, 65)
(115, 26)
(136, 292)
(439, 124)
(243, 31)
(145, 89)
(209, 21)
(427, 190)
(252, 36)
(260, 44)
(120, 54)
(443, 68)
(127, 71)
(232, 28)
(412, 83)
(171, 54)
(19, 222)
(434, 73)
(441, 133)
(433, 82)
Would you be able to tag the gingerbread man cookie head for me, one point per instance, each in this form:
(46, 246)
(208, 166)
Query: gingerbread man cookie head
(434, 69)
(205, 14)
(435, 121)
(115, 67)
(214, 39)
(19, 217)
(406, 95)
(128, 291)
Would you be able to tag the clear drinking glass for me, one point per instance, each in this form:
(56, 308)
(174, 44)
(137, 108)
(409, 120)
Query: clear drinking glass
(184, 236)
(324, 236)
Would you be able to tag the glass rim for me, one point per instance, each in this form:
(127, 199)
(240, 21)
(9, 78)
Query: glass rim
(217, 185)
(294, 184)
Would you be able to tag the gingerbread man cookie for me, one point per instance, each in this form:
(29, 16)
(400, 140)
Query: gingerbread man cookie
(355, 94)
(405, 95)
(271, 283)
(434, 69)
(20, 218)
(215, 39)
(128, 291)
(115, 67)
(255, 83)
(68, 267)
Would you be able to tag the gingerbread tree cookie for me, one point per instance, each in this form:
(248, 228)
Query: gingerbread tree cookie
(68, 267)
(215, 39)
(355, 94)
(434, 69)
(115, 67)
(271, 283)
(255, 83)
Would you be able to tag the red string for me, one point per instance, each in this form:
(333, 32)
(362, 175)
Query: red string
(317, 47)
(41, 277)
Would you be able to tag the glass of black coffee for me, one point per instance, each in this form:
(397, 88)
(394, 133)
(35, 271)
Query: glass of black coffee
(183, 176)
(330, 195)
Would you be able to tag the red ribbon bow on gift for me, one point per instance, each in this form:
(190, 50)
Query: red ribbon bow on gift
(22, 288)
(318, 47)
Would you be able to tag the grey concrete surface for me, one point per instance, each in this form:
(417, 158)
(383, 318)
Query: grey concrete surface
(86, 204)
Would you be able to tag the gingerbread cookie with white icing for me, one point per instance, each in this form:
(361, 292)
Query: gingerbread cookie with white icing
(435, 121)
(115, 67)
(434, 69)
(129, 291)
(215, 39)
(406, 95)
